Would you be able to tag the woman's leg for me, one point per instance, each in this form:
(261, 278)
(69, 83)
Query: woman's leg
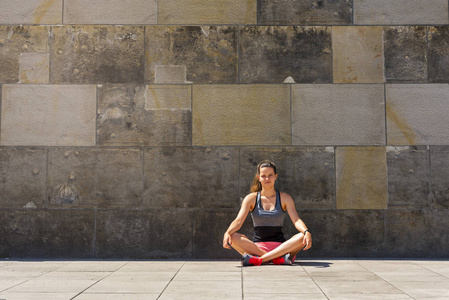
(292, 246)
(244, 245)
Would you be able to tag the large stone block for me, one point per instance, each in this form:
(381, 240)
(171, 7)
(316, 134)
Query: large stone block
(207, 12)
(31, 12)
(405, 53)
(310, 12)
(439, 164)
(307, 174)
(21, 50)
(269, 54)
(97, 54)
(48, 115)
(182, 177)
(408, 177)
(200, 54)
(399, 12)
(144, 115)
(358, 54)
(361, 178)
(417, 114)
(417, 233)
(110, 12)
(47, 233)
(209, 227)
(338, 114)
(241, 115)
(345, 233)
(95, 177)
(144, 234)
(22, 176)
(438, 54)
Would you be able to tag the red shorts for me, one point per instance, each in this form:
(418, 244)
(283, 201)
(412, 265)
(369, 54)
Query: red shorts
(269, 246)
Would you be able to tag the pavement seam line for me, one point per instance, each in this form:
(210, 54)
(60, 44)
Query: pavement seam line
(171, 280)
(314, 281)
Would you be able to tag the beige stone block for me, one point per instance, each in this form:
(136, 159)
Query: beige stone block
(23, 47)
(110, 12)
(207, 12)
(361, 177)
(31, 12)
(241, 115)
(400, 12)
(48, 115)
(417, 114)
(168, 97)
(34, 67)
(358, 54)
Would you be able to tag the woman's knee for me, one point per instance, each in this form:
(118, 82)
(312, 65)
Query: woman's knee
(237, 236)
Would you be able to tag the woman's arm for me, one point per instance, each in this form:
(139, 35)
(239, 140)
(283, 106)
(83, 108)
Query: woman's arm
(247, 203)
(289, 206)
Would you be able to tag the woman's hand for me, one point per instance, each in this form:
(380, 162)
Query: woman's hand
(227, 241)
(307, 241)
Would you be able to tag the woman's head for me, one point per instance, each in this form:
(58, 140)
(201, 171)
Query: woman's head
(266, 172)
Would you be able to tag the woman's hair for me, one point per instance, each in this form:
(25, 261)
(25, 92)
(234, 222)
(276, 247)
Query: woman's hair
(256, 185)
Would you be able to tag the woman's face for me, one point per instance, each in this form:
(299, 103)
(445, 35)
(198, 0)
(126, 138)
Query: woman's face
(267, 177)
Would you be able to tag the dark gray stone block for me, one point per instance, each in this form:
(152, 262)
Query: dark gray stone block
(207, 53)
(438, 54)
(272, 54)
(209, 227)
(123, 119)
(47, 233)
(417, 233)
(439, 166)
(405, 51)
(144, 234)
(408, 171)
(308, 12)
(181, 177)
(307, 174)
(95, 177)
(22, 176)
(97, 54)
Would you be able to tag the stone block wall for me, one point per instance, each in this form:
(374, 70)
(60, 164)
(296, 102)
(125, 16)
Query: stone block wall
(131, 129)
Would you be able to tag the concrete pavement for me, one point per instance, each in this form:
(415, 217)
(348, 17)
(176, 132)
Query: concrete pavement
(306, 279)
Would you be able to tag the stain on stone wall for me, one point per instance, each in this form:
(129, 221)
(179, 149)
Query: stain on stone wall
(438, 54)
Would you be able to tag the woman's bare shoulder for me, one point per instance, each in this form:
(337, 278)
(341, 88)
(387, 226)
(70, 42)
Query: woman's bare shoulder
(285, 196)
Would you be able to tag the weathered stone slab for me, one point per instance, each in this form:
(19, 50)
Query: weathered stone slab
(399, 12)
(439, 163)
(241, 115)
(408, 177)
(95, 177)
(344, 233)
(31, 12)
(144, 115)
(306, 174)
(207, 12)
(405, 53)
(97, 54)
(22, 176)
(417, 233)
(327, 114)
(34, 67)
(309, 12)
(47, 233)
(48, 115)
(270, 54)
(18, 43)
(110, 12)
(361, 178)
(438, 53)
(417, 114)
(209, 227)
(184, 177)
(144, 234)
(358, 54)
(205, 54)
